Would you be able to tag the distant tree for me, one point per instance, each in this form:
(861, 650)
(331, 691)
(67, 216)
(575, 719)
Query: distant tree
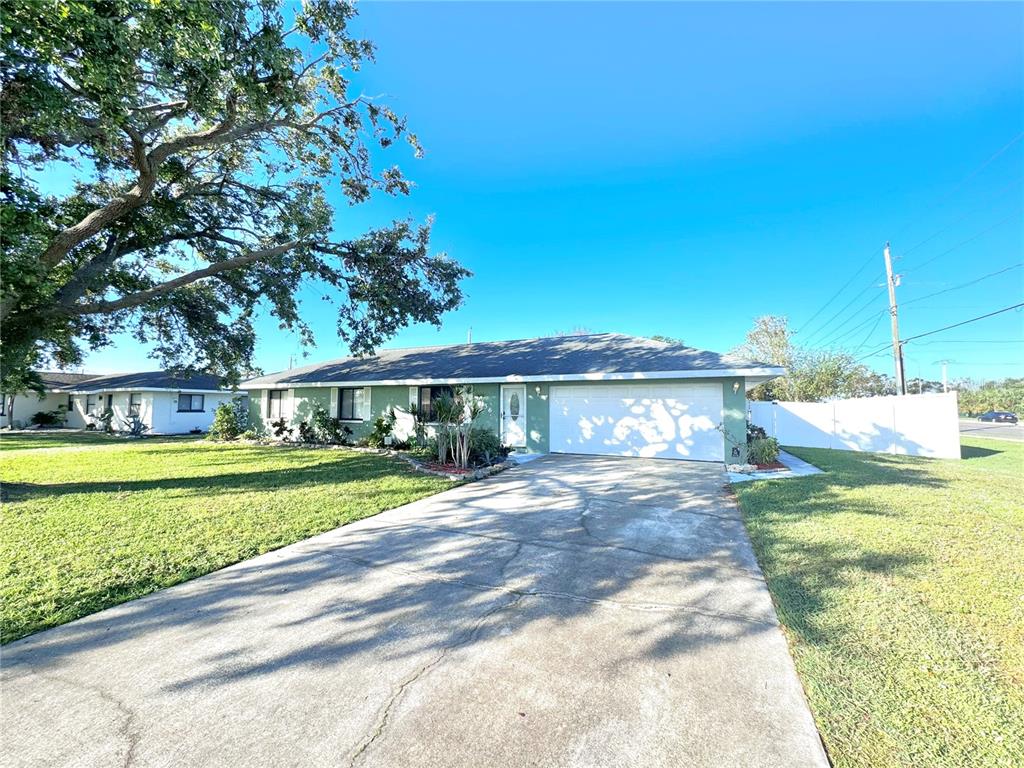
(811, 375)
(206, 139)
(1005, 395)
(668, 340)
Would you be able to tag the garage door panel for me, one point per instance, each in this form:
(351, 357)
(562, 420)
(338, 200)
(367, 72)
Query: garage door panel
(656, 421)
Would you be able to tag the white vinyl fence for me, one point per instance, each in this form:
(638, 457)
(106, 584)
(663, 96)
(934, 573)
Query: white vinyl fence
(913, 425)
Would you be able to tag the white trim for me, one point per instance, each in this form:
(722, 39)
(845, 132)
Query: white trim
(717, 373)
(183, 390)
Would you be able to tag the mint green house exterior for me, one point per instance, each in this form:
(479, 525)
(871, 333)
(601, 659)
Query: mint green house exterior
(603, 394)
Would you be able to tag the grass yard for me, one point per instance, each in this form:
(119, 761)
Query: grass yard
(86, 528)
(900, 582)
(30, 440)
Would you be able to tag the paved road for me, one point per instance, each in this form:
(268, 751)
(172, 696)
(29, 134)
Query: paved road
(569, 612)
(975, 428)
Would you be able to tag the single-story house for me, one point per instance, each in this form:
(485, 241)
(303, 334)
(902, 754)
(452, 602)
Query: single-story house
(166, 403)
(605, 394)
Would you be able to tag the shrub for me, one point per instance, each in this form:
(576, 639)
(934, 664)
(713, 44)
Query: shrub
(485, 447)
(383, 426)
(763, 450)
(327, 428)
(755, 432)
(136, 426)
(281, 429)
(48, 418)
(229, 420)
(105, 420)
(306, 433)
(250, 434)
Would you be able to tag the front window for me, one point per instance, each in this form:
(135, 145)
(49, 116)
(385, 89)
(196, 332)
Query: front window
(350, 404)
(90, 405)
(274, 405)
(428, 399)
(3, 404)
(134, 403)
(191, 403)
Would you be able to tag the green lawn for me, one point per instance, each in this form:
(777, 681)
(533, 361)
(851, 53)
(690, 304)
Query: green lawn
(83, 529)
(900, 583)
(23, 441)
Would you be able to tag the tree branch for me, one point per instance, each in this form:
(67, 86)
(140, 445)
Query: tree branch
(141, 297)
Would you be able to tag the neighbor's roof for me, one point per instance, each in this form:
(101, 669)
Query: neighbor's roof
(58, 381)
(148, 380)
(559, 357)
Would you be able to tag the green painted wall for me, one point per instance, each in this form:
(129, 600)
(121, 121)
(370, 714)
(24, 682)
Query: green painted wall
(734, 420)
(734, 411)
(537, 413)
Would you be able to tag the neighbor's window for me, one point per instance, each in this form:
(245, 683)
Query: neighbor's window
(135, 403)
(428, 397)
(276, 399)
(3, 404)
(350, 404)
(191, 403)
(90, 405)
(71, 403)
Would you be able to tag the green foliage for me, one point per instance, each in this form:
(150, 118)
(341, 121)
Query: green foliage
(762, 450)
(1005, 395)
(485, 448)
(898, 580)
(230, 420)
(454, 414)
(104, 420)
(281, 429)
(209, 131)
(49, 418)
(811, 375)
(136, 427)
(306, 433)
(328, 429)
(90, 528)
(383, 427)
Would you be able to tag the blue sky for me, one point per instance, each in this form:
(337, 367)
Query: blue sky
(680, 169)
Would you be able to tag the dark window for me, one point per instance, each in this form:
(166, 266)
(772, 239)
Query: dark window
(3, 404)
(71, 403)
(135, 403)
(90, 405)
(191, 403)
(350, 404)
(276, 398)
(428, 397)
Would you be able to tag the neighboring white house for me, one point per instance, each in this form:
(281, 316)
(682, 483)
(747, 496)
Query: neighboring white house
(167, 404)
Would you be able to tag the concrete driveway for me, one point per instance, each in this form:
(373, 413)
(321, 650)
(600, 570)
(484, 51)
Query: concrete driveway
(573, 611)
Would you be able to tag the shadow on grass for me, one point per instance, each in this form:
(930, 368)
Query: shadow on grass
(976, 452)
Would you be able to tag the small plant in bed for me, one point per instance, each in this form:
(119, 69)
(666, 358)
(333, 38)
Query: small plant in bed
(763, 452)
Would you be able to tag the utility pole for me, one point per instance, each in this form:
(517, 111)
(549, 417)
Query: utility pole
(944, 363)
(897, 347)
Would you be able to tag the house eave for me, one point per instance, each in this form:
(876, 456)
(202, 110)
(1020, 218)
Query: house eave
(760, 374)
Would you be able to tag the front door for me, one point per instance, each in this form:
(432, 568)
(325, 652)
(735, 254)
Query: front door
(513, 415)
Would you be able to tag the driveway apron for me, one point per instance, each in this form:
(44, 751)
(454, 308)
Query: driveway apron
(572, 611)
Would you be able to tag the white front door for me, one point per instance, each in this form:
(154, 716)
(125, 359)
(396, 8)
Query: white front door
(513, 415)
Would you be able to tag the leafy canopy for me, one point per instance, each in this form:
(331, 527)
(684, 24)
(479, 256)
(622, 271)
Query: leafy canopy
(207, 140)
(811, 375)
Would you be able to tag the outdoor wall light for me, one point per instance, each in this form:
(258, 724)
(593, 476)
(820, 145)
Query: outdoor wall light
(735, 387)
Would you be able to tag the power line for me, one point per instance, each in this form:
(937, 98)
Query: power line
(834, 296)
(944, 328)
(967, 284)
(827, 323)
(962, 243)
(864, 341)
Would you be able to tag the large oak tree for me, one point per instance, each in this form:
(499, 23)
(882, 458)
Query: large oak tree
(208, 140)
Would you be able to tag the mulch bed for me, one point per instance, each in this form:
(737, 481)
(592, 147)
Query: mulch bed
(449, 469)
(773, 465)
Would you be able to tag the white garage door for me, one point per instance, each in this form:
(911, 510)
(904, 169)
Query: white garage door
(666, 421)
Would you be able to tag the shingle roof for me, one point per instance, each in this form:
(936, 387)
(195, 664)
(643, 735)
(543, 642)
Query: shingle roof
(148, 380)
(550, 356)
(58, 381)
